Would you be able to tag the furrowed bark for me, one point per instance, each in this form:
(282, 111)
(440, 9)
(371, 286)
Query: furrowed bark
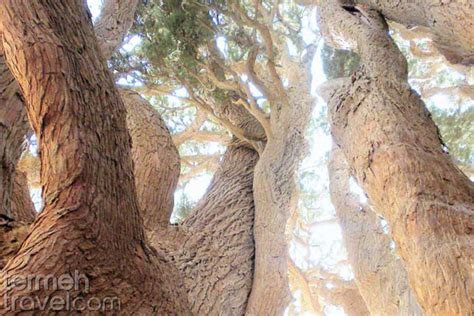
(22, 205)
(451, 23)
(216, 255)
(379, 274)
(16, 208)
(156, 161)
(394, 150)
(116, 18)
(274, 192)
(90, 222)
(13, 128)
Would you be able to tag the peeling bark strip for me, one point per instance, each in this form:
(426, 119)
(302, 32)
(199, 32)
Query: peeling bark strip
(394, 150)
(379, 274)
(90, 222)
(216, 252)
(155, 159)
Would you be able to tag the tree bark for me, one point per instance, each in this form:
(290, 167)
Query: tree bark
(13, 128)
(90, 222)
(22, 205)
(215, 253)
(156, 161)
(275, 191)
(394, 150)
(451, 23)
(116, 18)
(379, 274)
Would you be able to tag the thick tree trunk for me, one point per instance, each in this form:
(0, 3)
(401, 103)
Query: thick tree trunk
(451, 23)
(90, 222)
(394, 150)
(156, 161)
(216, 248)
(379, 274)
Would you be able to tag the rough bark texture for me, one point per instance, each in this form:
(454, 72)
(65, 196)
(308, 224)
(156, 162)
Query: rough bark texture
(274, 191)
(12, 235)
(90, 222)
(155, 159)
(379, 274)
(22, 205)
(116, 18)
(450, 21)
(394, 150)
(14, 229)
(216, 248)
(13, 128)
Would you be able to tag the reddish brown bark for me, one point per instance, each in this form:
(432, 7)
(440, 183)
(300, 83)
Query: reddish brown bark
(13, 128)
(395, 152)
(90, 222)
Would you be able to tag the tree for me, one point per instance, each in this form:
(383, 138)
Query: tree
(400, 163)
(379, 274)
(63, 191)
(108, 196)
(272, 124)
(91, 214)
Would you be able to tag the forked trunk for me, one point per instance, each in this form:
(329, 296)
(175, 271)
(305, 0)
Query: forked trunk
(90, 222)
(155, 159)
(379, 274)
(393, 147)
(276, 198)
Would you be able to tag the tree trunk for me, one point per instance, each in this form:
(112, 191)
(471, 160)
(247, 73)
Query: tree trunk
(13, 128)
(451, 23)
(156, 162)
(22, 205)
(394, 150)
(216, 249)
(379, 274)
(90, 222)
(116, 18)
(275, 191)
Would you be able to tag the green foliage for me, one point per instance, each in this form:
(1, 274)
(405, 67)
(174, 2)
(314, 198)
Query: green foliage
(172, 31)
